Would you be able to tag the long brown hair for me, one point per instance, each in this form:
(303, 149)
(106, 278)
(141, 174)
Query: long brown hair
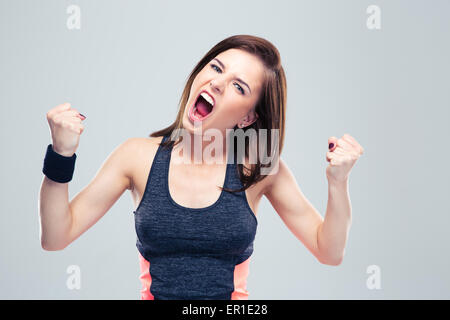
(271, 106)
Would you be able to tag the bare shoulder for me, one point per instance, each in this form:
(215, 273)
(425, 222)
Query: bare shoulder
(271, 174)
(277, 174)
(139, 153)
(143, 144)
(137, 146)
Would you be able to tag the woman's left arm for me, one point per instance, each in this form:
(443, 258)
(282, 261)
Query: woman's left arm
(333, 232)
(325, 238)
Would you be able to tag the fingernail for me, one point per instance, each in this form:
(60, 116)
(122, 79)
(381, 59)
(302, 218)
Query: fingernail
(330, 146)
(83, 115)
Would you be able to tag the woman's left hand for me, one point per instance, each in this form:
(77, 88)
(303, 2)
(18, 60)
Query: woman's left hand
(342, 155)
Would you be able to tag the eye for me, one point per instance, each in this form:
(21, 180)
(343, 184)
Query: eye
(240, 88)
(214, 66)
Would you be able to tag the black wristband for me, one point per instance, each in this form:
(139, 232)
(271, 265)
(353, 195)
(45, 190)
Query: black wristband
(58, 167)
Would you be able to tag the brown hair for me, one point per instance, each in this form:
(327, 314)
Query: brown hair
(271, 106)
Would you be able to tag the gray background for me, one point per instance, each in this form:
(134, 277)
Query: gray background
(125, 70)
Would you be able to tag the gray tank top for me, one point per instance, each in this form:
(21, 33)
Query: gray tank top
(192, 251)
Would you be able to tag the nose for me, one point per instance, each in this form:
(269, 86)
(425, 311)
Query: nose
(215, 86)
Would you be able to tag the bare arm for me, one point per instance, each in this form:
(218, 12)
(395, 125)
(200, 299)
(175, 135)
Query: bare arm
(54, 214)
(333, 232)
(297, 213)
(61, 221)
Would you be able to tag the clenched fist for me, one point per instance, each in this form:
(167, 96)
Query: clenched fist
(66, 127)
(342, 155)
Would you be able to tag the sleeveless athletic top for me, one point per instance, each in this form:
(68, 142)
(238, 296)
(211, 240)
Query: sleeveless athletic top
(193, 253)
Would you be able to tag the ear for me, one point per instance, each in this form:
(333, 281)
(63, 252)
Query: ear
(255, 115)
(248, 119)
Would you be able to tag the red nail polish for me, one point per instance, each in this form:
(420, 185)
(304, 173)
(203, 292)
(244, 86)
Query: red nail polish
(330, 146)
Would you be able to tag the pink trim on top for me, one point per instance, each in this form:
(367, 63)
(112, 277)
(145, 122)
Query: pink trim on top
(241, 272)
(240, 281)
(145, 278)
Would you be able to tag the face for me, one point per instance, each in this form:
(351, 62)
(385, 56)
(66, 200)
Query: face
(233, 79)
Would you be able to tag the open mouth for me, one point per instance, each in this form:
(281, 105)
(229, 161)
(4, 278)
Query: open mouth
(201, 109)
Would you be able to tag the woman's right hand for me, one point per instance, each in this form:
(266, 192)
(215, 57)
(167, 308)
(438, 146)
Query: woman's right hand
(66, 128)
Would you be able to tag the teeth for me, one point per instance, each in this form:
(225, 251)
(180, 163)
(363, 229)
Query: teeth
(208, 98)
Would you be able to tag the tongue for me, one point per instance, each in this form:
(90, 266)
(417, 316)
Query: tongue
(203, 107)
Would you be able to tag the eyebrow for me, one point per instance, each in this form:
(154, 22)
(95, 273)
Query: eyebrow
(238, 79)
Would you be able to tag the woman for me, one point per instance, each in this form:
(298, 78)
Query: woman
(196, 220)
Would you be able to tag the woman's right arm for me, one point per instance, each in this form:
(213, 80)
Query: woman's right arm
(61, 221)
